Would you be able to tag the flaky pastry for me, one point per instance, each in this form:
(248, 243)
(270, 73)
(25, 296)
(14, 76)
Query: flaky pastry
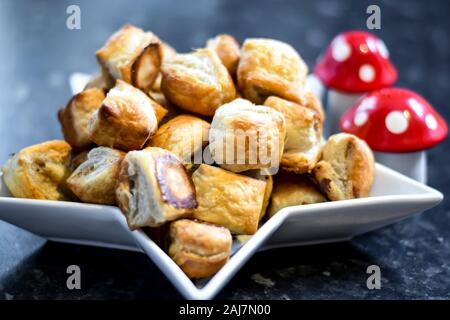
(293, 190)
(197, 82)
(74, 117)
(132, 55)
(244, 136)
(228, 50)
(95, 179)
(39, 171)
(185, 136)
(270, 68)
(347, 168)
(304, 140)
(154, 188)
(228, 199)
(200, 249)
(126, 119)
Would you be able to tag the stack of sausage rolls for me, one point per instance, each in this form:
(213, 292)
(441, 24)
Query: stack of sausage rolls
(147, 135)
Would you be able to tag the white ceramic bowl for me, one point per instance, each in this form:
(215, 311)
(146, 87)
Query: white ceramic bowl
(393, 197)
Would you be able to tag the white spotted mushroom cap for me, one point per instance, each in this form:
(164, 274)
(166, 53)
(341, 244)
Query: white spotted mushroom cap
(395, 120)
(356, 62)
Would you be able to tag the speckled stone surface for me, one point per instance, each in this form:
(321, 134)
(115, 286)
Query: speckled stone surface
(38, 54)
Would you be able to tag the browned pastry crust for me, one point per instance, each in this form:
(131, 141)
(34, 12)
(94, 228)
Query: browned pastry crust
(185, 136)
(200, 249)
(293, 190)
(231, 200)
(39, 171)
(74, 118)
(304, 140)
(263, 175)
(132, 55)
(228, 50)
(347, 168)
(245, 137)
(95, 179)
(154, 188)
(126, 119)
(197, 82)
(270, 68)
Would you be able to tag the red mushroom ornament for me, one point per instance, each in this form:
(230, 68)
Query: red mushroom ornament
(355, 63)
(399, 125)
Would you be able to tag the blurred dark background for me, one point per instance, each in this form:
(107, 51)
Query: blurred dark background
(38, 54)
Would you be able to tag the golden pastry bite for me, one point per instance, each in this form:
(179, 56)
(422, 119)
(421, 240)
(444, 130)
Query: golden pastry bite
(197, 82)
(154, 188)
(132, 55)
(346, 169)
(39, 171)
(293, 190)
(126, 119)
(263, 175)
(303, 135)
(228, 50)
(244, 136)
(199, 249)
(228, 199)
(74, 117)
(95, 179)
(270, 68)
(185, 136)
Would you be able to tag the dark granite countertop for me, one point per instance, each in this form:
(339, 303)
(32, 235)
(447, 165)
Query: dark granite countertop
(38, 53)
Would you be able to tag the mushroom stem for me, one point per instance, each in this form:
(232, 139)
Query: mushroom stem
(314, 85)
(337, 103)
(411, 164)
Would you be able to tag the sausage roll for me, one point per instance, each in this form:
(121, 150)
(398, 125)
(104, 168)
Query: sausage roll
(228, 50)
(126, 119)
(244, 136)
(74, 118)
(200, 249)
(39, 171)
(263, 175)
(185, 136)
(132, 55)
(154, 188)
(293, 190)
(228, 199)
(347, 168)
(197, 82)
(303, 135)
(95, 179)
(270, 68)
